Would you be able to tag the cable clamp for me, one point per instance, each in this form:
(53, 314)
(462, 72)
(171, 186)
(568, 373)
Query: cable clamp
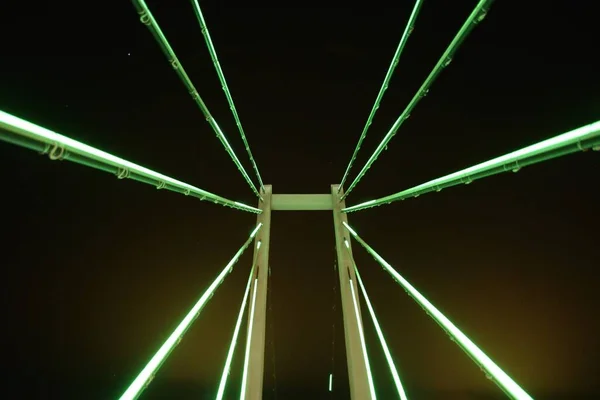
(56, 152)
(186, 192)
(122, 173)
(161, 185)
(174, 63)
(481, 16)
(145, 18)
(466, 180)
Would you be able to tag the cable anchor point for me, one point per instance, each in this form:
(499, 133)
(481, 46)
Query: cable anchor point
(161, 185)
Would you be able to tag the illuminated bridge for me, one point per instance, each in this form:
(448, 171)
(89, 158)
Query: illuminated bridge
(356, 306)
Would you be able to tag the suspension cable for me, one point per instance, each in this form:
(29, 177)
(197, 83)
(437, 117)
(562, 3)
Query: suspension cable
(147, 374)
(384, 346)
(58, 147)
(236, 332)
(493, 372)
(147, 19)
(476, 16)
(213, 56)
(410, 25)
(580, 139)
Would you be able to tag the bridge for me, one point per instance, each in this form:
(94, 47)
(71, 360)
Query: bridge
(352, 289)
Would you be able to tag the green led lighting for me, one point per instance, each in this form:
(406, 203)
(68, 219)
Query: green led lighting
(236, 333)
(35, 137)
(148, 19)
(386, 350)
(509, 386)
(215, 59)
(248, 342)
(386, 82)
(363, 345)
(479, 12)
(144, 378)
(583, 138)
(331, 382)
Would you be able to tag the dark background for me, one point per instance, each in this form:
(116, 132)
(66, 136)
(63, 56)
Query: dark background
(98, 271)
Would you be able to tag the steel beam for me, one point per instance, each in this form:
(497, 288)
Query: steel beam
(357, 366)
(254, 386)
(301, 202)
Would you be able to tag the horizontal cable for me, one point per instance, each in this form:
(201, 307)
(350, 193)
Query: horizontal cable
(148, 19)
(476, 16)
(410, 26)
(493, 372)
(147, 374)
(215, 59)
(26, 134)
(581, 139)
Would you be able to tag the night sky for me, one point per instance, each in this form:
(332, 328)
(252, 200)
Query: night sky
(99, 271)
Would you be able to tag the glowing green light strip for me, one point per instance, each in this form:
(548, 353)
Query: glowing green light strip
(331, 382)
(500, 377)
(476, 16)
(583, 138)
(386, 81)
(213, 55)
(236, 333)
(248, 342)
(386, 350)
(148, 19)
(363, 345)
(143, 379)
(78, 152)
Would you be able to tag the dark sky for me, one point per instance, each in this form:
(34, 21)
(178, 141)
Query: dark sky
(99, 271)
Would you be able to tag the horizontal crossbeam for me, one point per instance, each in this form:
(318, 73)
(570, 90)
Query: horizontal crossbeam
(301, 202)
(34, 137)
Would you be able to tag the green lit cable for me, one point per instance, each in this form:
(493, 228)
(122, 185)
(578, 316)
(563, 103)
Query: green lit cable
(144, 378)
(213, 55)
(494, 372)
(386, 81)
(26, 134)
(579, 139)
(384, 346)
(148, 19)
(476, 16)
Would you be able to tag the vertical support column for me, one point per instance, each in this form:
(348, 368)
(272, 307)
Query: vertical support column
(357, 368)
(254, 386)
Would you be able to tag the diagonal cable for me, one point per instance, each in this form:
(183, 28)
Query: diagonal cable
(213, 55)
(476, 16)
(59, 147)
(147, 19)
(492, 371)
(410, 26)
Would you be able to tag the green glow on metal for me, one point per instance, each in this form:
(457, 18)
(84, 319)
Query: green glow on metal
(476, 16)
(234, 339)
(331, 382)
(148, 19)
(410, 25)
(38, 138)
(386, 350)
(579, 139)
(509, 386)
(248, 342)
(361, 334)
(144, 378)
(215, 59)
